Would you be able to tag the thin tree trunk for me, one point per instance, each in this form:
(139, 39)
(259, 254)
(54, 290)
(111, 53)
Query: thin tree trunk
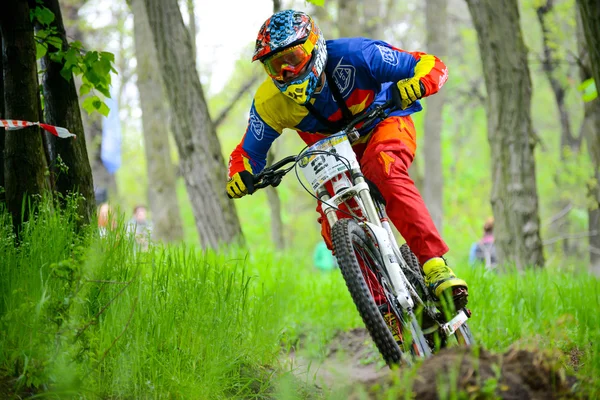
(162, 189)
(514, 192)
(549, 63)
(437, 44)
(348, 19)
(373, 20)
(588, 37)
(2, 132)
(62, 109)
(199, 148)
(92, 124)
(192, 26)
(24, 160)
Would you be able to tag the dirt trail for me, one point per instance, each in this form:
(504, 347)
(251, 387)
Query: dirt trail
(353, 365)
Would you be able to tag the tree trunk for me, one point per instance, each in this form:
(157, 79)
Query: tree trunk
(162, 190)
(373, 21)
(348, 20)
(24, 163)
(589, 39)
(199, 148)
(549, 64)
(437, 44)
(514, 193)
(2, 132)
(192, 26)
(92, 124)
(62, 109)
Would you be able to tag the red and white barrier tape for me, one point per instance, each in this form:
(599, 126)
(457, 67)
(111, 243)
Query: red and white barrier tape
(12, 124)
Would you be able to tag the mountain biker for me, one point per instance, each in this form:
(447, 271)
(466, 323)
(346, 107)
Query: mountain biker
(315, 87)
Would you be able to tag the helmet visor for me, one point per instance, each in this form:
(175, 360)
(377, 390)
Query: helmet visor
(291, 60)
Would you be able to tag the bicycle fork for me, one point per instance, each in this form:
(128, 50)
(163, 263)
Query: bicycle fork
(379, 226)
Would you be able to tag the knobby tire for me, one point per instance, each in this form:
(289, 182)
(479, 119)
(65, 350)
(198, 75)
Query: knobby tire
(347, 236)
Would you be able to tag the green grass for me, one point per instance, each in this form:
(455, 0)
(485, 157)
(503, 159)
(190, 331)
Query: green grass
(92, 317)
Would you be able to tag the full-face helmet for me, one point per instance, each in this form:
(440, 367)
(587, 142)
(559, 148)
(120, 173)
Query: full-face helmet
(293, 52)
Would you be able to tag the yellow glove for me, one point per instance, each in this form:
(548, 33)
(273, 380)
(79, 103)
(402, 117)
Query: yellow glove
(410, 90)
(240, 184)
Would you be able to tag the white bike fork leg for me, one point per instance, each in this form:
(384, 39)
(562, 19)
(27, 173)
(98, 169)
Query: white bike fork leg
(394, 271)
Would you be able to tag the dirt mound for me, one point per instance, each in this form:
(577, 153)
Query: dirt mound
(353, 366)
(478, 374)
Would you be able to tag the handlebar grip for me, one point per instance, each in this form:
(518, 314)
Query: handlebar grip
(396, 100)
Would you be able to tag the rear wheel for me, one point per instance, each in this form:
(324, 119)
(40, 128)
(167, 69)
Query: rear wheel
(360, 263)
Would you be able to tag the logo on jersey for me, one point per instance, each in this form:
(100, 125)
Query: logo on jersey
(258, 127)
(443, 78)
(343, 76)
(388, 55)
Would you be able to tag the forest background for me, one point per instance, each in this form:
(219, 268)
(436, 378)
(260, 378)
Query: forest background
(459, 160)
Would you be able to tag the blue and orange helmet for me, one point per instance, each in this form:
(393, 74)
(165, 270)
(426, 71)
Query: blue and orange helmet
(293, 52)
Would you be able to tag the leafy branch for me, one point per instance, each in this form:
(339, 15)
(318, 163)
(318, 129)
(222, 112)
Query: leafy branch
(94, 67)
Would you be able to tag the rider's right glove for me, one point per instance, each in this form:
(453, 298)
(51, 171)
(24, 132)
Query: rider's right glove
(240, 184)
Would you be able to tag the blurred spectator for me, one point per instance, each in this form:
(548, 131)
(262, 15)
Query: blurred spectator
(101, 195)
(323, 259)
(140, 226)
(484, 251)
(105, 217)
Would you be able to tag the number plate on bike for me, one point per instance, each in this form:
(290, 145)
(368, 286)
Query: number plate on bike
(326, 159)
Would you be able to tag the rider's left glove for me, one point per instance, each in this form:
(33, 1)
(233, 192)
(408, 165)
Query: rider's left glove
(410, 90)
(240, 184)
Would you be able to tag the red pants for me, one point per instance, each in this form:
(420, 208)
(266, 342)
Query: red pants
(384, 161)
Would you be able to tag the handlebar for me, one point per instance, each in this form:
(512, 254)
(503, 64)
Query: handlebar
(272, 176)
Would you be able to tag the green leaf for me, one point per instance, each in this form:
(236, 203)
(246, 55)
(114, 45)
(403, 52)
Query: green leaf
(43, 15)
(84, 89)
(57, 56)
(66, 73)
(40, 50)
(104, 110)
(320, 3)
(108, 56)
(97, 103)
(71, 58)
(103, 90)
(55, 41)
(588, 87)
(88, 104)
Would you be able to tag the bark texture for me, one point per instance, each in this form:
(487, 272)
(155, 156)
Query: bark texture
(62, 109)
(2, 132)
(514, 193)
(202, 161)
(550, 65)
(25, 162)
(589, 13)
(162, 190)
(92, 124)
(436, 15)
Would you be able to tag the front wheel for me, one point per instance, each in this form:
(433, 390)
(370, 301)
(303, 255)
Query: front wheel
(361, 265)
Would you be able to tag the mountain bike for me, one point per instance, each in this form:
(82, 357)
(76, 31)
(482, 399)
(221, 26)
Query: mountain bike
(385, 280)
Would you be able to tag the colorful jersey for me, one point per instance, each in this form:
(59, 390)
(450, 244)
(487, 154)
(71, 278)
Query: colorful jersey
(362, 69)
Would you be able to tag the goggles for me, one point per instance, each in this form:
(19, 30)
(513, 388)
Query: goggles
(293, 59)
